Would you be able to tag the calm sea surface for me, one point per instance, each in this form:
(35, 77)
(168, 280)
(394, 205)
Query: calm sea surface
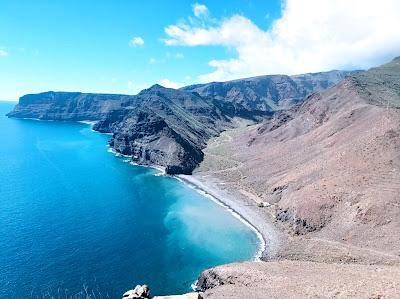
(72, 215)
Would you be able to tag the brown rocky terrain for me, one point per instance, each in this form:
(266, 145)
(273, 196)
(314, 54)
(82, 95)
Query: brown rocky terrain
(168, 127)
(326, 175)
(269, 93)
(295, 279)
(319, 179)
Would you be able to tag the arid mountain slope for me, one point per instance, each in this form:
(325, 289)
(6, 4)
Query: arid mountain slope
(296, 279)
(163, 126)
(66, 105)
(269, 93)
(166, 127)
(330, 168)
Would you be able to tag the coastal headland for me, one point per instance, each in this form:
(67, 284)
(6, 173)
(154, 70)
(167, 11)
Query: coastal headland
(313, 168)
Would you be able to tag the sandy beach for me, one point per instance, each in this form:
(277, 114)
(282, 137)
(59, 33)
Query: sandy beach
(252, 215)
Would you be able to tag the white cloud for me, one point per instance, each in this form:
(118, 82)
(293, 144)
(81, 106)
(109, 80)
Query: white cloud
(199, 10)
(3, 53)
(169, 84)
(177, 55)
(137, 41)
(152, 60)
(310, 36)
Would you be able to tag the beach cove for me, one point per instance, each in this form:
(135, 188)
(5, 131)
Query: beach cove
(73, 216)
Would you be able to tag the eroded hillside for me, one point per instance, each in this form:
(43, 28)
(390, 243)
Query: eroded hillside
(330, 168)
(167, 127)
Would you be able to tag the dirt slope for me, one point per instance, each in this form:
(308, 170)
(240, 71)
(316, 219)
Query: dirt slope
(330, 169)
(294, 279)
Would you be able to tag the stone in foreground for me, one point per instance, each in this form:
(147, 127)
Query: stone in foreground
(143, 292)
(140, 291)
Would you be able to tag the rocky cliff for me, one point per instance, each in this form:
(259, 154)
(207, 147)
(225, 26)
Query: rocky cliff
(71, 106)
(272, 92)
(168, 127)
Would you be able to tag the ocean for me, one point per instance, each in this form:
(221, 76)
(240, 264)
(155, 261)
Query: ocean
(73, 216)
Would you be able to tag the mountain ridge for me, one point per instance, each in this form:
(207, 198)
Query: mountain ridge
(325, 175)
(340, 146)
(170, 127)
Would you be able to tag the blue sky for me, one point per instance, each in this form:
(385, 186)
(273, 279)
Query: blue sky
(123, 46)
(80, 45)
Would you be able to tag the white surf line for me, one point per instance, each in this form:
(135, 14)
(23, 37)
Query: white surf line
(31, 118)
(91, 123)
(87, 122)
(190, 184)
(161, 170)
(206, 194)
(235, 213)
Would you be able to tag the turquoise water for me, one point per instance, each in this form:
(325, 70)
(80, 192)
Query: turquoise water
(74, 215)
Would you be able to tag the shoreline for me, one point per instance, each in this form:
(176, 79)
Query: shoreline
(274, 238)
(160, 169)
(91, 123)
(211, 194)
(233, 205)
(87, 122)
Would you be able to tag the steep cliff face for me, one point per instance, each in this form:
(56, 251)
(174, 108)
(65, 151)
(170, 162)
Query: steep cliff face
(168, 127)
(66, 106)
(165, 127)
(269, 93)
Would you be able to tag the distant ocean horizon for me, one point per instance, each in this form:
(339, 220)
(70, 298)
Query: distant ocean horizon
(73, 215)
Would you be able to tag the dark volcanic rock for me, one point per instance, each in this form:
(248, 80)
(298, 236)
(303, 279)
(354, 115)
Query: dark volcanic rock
(165, 127)
(269, 93)
(168, 127)
(66, 105)
(381, 85)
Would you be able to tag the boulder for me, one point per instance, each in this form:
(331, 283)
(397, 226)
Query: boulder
(140, 291)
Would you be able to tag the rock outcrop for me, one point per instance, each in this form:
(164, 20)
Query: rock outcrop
(139, 292)
(168, 127)
(67, 106)
(269, 93)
